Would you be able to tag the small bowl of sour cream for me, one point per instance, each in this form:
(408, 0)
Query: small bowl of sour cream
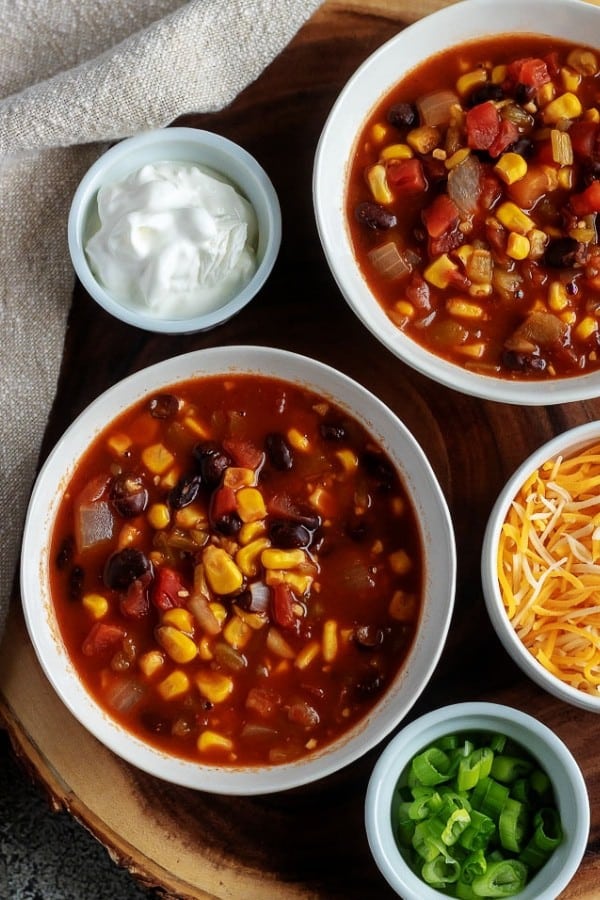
(174, 230)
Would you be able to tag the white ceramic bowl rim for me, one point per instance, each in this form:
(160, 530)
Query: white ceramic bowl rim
(535, 737)
(455, 24)
(436, 533)
(187, 145)
(565, 444)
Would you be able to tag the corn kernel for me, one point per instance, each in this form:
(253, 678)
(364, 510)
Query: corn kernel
(236, 477)
(463, 309)
(546, 93)
(214, 686)
(498, 74)
(330, 640)
(592, 114)
(404, 308)
(174, 685)
(179, 646)
(396, 151)
(119, 443)
(403, 607)
(464, 253)
(583, 61)
(423, 138)
(248, 558)
(299, 583)
(439, 272)
(320, 498)
(96, 605)
(566, 106)
(298, 440)
(586, 328)
(565, 178)
(237, 633)
(169, 480)
(308, 653)
(377, 181)
(348, 459)
(159, 516)
(250, 504)
(211, 740)
(480, 290)
(379, 132)
(537, 242)
(511, 167)
(400, 562)
(472, 351)
(151, 662)
(470, 80)
(568, 316)
(562, 149)
(254, 620)
(570, 79)
(204, 649)
(517, 246)
(457, 158)
(513, 218)
(558, 299)
(272, 558)
(250, 531)
(398, 506)
(196, 427)
(157, 458)
(222, 574)
(191, 516)
(180, 618)
(218, 611)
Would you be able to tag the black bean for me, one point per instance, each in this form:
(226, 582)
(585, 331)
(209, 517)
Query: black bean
(357, 528)
(212, 461)
(484, 92)
(279, 452)
(76, 583)
(228, 524)
(65, 553)
(524, 147)
(128, 495)
(163, 406)
(367, 636)
(368, 684)
(379, 468)
(155, 723)
(332, 432)
(561, 253)
(374, 216)
(516, 361)
(590, 171)
(185, 491)
(403, 114)
(288, 535)
(124, 566)
(523, 93)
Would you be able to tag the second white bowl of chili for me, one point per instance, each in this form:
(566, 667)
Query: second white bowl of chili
(246, 570)
(456, 193)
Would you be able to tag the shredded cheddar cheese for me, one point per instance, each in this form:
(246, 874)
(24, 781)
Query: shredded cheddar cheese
(549, 567)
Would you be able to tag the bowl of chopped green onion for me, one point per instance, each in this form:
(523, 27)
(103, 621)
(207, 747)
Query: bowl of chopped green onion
(477, 800)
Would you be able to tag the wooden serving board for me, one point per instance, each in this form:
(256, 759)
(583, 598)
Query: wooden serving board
(308, 843)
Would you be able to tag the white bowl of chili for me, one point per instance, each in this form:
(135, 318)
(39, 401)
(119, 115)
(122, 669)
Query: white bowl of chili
(174, 230)
(184, 547)
(523, 790)
(539, 566)
(470, 260)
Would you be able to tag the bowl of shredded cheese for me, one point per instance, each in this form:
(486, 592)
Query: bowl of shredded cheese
(541, 566)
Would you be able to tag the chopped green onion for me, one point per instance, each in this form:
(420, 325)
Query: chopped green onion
(427, 839)
(455, 825)
(473, 768)
(440, 871)
(431, 767)
(404, 825)
(474, 865)
(479, 833)
(547, 835)
(427, 803)
(503, 878)
(508, 768)
(489, 797)
(512, 825)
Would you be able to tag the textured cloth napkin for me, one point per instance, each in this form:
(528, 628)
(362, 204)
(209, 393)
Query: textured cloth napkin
(75, 75)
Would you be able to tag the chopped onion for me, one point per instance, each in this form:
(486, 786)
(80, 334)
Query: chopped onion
(94, 523)
(199, 607)
(464, 184)
(388, 260)
(124, 694)
(435, 108)
(254, 732)
(278, 645)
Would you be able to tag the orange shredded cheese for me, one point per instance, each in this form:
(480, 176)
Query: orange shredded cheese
(549, 567)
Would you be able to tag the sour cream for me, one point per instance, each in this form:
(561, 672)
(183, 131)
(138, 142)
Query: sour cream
(175, 239)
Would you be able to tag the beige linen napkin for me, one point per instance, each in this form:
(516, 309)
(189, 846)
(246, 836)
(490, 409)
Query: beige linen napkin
(73, 76)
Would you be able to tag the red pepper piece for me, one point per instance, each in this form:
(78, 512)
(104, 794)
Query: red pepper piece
(282, 606)
(530, 71)
(440, 216)
(483, 125)
(244, 453)
(406, 176)
(135, 603)
(588, 201)
(507, 135)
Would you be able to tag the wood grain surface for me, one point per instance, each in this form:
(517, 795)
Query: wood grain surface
(308, 843)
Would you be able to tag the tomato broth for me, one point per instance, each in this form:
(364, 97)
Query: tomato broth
(472, 203)
(237, 570)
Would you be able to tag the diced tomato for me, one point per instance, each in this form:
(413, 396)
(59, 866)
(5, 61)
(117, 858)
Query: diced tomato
(552, 63)
(506, 136)
(135, 603)
(263, 701)
(168, 589)
(282, 606)
(222, 503)
(584, 137)
(406, 176)
(483, 125)
(529, 71)
(588, 201)
(244, 453)
(491, 190)
(102, 638)
(440, 216)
